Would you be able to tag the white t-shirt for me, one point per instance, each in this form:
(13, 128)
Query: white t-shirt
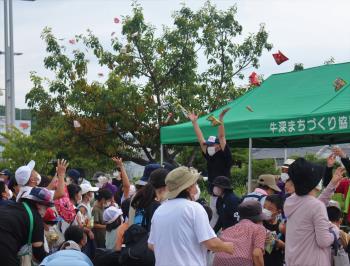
(179, 226)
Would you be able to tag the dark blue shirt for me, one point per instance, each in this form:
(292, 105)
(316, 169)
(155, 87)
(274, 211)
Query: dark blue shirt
(227, 209)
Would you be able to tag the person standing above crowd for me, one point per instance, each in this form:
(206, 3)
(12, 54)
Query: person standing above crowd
(308, 236)
(227, 203)
(215, 150)
(217, 154)
(180, 232)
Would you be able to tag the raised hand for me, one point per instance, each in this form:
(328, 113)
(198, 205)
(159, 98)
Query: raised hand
(338, 175)
(61, 167)
(193, 117)
(118, 161)
(339, 152)
(222, 114)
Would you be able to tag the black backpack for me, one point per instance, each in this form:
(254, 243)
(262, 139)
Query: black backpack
(136, 251)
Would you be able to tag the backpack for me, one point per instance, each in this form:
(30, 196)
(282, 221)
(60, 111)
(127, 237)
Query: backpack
(136, 251)
(339, 255)
(140, 217)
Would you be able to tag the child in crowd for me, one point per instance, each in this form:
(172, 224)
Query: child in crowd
(113, 218)
(103, 200)
(273, 208)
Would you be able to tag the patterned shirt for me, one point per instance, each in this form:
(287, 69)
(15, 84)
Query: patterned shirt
(245, 236)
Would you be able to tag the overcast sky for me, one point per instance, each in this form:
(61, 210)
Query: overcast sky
(307, 31)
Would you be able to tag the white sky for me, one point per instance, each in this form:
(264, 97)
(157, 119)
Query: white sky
(307, 31)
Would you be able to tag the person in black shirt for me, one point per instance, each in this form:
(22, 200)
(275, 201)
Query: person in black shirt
(274, 206)
(226, 204)
(15, 226)
(215, 150)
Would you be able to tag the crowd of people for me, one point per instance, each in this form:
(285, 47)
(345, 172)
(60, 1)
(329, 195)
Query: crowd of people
(292, 219)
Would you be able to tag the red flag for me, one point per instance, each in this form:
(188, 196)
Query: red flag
(116, 20)
(254, 79)
(279, 58)
(72, 41)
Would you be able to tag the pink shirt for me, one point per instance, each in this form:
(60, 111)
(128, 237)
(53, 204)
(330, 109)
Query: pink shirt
(245, 236)
(308, 239)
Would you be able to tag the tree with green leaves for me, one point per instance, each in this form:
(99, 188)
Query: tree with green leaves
(147, 74)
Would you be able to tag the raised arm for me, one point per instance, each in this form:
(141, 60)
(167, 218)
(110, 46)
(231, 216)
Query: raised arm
(329, 170)
(344, 158)
(327, 193)
(61, 172)
(193, 117)
(221, 129)
(124, 176)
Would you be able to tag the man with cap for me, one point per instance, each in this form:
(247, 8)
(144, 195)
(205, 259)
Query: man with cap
(180, 229)
(248, 238)
(266, 186)
(215, 150)
(309, 233)
(16, 221)
(217, 154)
(227, 203)
(27, 178)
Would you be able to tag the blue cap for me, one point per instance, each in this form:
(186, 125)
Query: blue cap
(74, 174)
(148, 170)
(5, 172)
(212, 140)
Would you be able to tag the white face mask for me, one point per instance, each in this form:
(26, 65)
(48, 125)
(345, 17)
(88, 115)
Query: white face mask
(211, 151)
(284, 177)
(198, 194)
(39, 180)
(92, 198)
(267, 213)
(217, 191)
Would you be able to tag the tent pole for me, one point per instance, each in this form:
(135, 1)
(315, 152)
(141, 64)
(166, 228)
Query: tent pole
(285, 154)
(250, 166)
(161, 154)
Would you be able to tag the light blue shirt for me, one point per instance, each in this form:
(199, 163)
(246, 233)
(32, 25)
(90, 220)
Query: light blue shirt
(67, 258)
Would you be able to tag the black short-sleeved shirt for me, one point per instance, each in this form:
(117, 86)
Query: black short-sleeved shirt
(219, 164)
(14, 231)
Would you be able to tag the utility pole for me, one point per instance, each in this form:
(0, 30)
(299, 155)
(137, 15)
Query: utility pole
(10, 110)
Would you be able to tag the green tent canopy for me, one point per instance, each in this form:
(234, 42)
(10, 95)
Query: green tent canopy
(293, 109)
